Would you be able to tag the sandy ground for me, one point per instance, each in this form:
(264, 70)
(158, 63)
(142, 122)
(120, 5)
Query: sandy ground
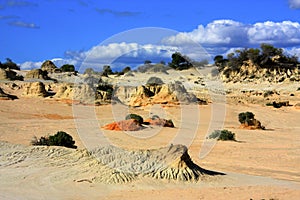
(260, 165)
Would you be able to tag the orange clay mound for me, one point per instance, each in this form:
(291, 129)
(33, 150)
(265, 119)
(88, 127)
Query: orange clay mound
(125, 125)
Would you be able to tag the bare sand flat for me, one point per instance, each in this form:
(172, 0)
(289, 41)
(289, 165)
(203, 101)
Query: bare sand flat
(261, 165)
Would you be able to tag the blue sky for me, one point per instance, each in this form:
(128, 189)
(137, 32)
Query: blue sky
(80, 31)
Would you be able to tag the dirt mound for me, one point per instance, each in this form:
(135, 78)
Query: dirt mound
(252, 125)
(35, 89)
(4, 96)
(125, 125)
(109, 165)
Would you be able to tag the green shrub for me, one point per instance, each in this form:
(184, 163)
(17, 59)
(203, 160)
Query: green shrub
(61, 138)
(138, 118)
(222, 135)
(104, 86)
(280, 104)
(180, 62)
(246, 117)
(154, 81)
(67, 68)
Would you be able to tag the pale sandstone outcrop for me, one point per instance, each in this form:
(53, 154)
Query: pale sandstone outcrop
(173, 93)
(36, 74)
(5, 96)
(35, 89)
(48, 66)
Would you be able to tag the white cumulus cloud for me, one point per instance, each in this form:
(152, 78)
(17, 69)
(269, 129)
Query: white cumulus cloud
(220, 36)
(236, 34)
(28, 65)
(282, 33)
(218, 32)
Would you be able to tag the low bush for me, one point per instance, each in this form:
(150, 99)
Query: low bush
(138, 118)
(67, 68)
(246, 117)
(278, 104)
(222, 135)
(248, 121)
(61, 138)
(154, 81)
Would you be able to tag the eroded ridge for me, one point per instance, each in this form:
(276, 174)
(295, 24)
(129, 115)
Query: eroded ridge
(109, 165)
(171, 163)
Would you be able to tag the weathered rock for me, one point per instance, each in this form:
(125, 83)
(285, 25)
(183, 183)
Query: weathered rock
(103, 97)
(37, 74)
(3, 74)
(250, 71)
(48, 66)
(81, 92)
(125, 125)
(35, 89)
(173, 93)
(123, 93)
(169, 163)
(4, 96)
(141, 96)
(7, 74)
(103, 164)
(65, 91)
